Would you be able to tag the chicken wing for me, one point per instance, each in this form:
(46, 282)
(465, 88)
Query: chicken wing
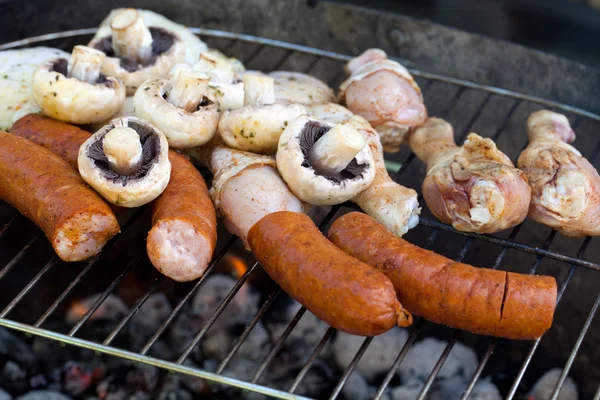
(565, 186)
(476, 188)
(385, 94)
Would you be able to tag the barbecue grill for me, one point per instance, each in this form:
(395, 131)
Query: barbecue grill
(471, 99)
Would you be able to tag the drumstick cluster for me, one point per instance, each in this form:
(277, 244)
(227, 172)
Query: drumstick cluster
(277, 144)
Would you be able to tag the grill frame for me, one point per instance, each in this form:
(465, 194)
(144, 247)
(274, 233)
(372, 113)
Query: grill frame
(436, 227)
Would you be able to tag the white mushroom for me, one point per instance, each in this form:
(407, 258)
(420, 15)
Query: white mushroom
(126, 162)
(75, 91)
(179, 108)
(136, 51)
(257, 126)
(296, 87)
(16, 81)
(324, 164)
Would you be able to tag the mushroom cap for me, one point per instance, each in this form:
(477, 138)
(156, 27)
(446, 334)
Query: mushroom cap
(127, 191)
(192, 43)
(72, 100)
(16, 81)
(169, 52)
(183, 129)
(257, 128)
(296, 87)
(302, 179)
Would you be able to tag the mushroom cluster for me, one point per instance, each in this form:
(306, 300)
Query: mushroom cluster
(296, 87)
(322, 163)
(126, 162)
(75, 90)
(137, 52)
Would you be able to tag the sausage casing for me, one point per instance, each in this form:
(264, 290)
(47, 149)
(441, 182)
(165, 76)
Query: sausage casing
(46, 190)
(184, 224)
(59, 137)
(479, 300)
(337, 288)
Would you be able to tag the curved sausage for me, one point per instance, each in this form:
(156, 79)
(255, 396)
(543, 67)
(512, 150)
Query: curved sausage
(59, 137)
(479, 300)
(46, 190)
(184, 224)
(337, 288)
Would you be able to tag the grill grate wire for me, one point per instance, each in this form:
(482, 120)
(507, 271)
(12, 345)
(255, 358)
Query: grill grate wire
(315, 57)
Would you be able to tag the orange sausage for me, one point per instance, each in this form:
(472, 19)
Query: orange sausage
(479, 300)
(337, 288)
(59, 137)
(184, 224)
(46, 190)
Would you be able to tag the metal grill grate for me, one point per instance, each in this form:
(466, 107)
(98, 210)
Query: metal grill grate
(467, 105)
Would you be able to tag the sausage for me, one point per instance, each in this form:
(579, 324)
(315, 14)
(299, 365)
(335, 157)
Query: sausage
(479, 300)
(184, 224)
(46, 190)
(183, 235)
(337, 288)
(59, 137)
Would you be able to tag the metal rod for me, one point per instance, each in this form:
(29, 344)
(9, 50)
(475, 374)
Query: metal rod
(259, 314)
(409, 342)
(465, 131)
(157, 281)
(567, 368)
(278, 344)
(439, 364)
(7, 227)
(234, 290)
(248, 60)
(90, 265)
(350, 369)
(18, 256)
(49, 265)
(519, 377)
(106, 293)
(597, 395)
(216, 259)
(313, 356)
(479, 370)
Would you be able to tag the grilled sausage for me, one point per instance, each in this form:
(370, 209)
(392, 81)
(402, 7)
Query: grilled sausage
(46, 190)
(184, 224)
(479, 300)
(337, 288)
(59, 137)
(183, 235)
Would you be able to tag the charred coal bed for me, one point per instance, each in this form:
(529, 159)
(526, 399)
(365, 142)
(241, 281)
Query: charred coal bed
(35, 368)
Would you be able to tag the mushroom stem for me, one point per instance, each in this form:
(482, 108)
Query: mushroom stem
(216, 67)
(123, 148)
(258, 89)
(188, 89)
(335, 149)
(85, 64)
(130, 36)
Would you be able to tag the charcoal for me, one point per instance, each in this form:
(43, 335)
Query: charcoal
(356, 387)
(408, 391)
(485, 390)
(543, 388)
(377, 359)
(111, 309)
(213, 291)
(78, 377)
(161, 350)
(149, 318)
(422, 357)
(44, 395)
(4, 395)
(447, 388)
(192, 383)
(187, 324)
(14, 378)
(37, 381)
(143, 378)
(315, 383)
(172, 389)
(219, 343)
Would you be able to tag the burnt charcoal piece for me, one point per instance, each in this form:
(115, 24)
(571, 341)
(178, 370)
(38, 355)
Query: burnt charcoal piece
(148, 319)
(4, 395)
(77, 377)
(218, 343)
(17, 363)
(44, 395)
(187, 324)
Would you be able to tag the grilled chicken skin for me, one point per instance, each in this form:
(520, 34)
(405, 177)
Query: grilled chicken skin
(475, 187)
(565, 186)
